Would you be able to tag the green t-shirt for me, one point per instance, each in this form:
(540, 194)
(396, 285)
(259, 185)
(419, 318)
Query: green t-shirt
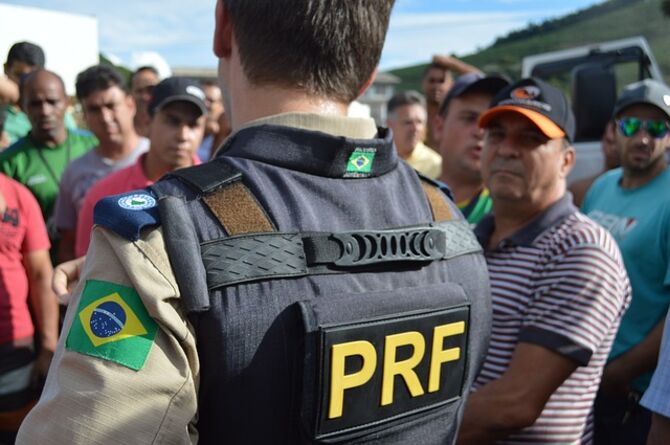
(17, 124)
(40, 168)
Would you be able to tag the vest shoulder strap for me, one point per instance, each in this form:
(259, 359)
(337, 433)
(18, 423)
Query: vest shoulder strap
(238, 210)
(438, 195)
(227, 197)
(207, 177)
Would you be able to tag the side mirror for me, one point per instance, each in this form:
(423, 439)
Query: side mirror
(593, 99)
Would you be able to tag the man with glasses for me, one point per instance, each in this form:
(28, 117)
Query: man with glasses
(633, 203)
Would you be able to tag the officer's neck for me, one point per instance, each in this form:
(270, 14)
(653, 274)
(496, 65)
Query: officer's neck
(258, 102)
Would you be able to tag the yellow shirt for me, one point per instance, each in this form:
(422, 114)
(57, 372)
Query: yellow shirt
(426, 161)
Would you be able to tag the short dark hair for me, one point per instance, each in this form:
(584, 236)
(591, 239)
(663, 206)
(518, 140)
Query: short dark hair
(98, 78)
(405, 98)
(327, 48)
(26, 52)
(435, 66)
(140, 69)
(209, 83)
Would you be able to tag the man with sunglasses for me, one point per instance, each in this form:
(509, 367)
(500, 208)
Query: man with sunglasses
(633, 203)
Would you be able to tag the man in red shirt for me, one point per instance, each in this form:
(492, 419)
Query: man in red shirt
(25, 279)
(178, 111)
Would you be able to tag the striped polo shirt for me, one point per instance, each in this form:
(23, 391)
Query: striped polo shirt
(559, 283)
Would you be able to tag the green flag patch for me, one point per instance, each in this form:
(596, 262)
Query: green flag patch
(113, 324)
(360, 162)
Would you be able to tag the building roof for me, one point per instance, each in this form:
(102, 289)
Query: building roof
(387, 78)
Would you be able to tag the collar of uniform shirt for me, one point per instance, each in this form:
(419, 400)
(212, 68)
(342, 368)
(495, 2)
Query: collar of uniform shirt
(349, 127)
(525, 236)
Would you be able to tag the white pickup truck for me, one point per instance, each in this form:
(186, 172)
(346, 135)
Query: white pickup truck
(592, 76)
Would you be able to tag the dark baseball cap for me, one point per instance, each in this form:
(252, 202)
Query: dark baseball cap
(474, 81)
(174, 89)
(546, 106)
(647, 91)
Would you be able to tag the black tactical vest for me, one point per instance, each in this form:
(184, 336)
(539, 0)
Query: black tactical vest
(336, 297)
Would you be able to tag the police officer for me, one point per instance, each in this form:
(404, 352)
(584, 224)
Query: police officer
(304, 286)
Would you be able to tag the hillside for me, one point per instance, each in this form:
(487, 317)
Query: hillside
(609, 20)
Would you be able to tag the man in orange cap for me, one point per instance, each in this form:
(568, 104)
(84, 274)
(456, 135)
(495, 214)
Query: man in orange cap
(558, 283)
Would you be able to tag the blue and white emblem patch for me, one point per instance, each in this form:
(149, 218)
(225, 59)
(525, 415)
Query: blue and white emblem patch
(138, 201)
(128, 214)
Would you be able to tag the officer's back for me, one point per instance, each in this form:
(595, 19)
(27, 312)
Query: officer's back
(314, 288)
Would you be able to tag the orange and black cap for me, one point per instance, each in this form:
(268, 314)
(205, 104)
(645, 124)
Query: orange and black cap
(545, 106)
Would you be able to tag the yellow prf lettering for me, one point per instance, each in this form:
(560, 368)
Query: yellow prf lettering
(403, 368)
(339, 381)
(439, 356)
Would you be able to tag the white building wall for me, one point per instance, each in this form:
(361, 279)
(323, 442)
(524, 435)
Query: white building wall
(69, 41)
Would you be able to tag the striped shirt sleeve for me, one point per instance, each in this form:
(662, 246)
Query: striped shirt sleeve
(577, 298)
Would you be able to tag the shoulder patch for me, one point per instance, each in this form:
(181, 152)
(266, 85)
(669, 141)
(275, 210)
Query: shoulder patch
(127, 214)
(113, 324)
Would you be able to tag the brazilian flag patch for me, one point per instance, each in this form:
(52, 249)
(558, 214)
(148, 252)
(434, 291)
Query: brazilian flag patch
(112, 324)
(360, 162)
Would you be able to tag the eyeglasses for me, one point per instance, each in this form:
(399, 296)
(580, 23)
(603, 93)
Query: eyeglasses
(629, 126)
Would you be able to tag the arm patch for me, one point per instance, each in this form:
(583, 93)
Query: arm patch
(127, 214)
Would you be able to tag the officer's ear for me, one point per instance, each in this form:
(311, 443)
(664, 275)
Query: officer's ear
(223, 31)
(367, 83)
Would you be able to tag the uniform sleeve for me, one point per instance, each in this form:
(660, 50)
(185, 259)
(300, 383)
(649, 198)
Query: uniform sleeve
(84, 224)
(93, 400)
(36, 232)
(65, 214)
(657, 396)
(578, 302)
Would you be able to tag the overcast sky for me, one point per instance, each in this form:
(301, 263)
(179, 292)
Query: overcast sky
(181, 30)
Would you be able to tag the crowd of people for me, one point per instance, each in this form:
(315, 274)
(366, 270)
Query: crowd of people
(279, 272)
(54, 173)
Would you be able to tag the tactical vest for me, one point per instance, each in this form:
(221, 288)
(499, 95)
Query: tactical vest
(326, 310)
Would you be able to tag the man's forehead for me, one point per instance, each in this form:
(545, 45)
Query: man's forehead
(436, 73)
(410, 109)
(18, 66)
(111, 94)
(44, 84)
(143, 78)
(211, 91)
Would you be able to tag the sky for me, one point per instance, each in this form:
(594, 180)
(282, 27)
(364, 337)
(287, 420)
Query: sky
(181, 31)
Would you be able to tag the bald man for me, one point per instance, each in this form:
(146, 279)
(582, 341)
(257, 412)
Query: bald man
(39, 159)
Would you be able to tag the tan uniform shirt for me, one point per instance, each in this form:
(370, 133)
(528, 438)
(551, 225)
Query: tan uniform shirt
(90, 400)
